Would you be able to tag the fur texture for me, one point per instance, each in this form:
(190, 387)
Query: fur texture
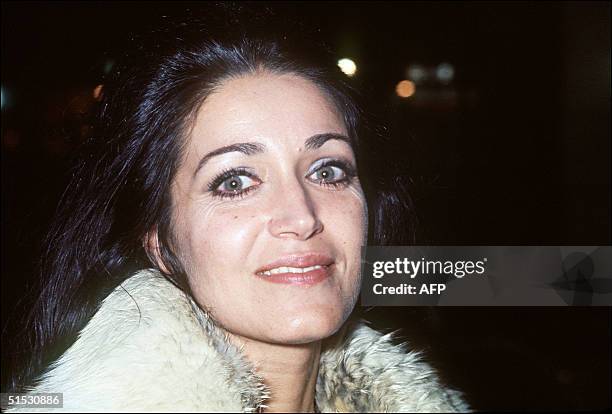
(151, 348)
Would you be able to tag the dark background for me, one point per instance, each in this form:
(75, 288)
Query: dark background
(514, 151)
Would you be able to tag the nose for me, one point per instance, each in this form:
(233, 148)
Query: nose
(293, 215)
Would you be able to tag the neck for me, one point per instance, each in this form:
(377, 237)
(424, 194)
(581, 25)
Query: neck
(290, 372)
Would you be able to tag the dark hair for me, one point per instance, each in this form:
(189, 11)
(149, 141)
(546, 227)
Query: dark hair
(119, 189)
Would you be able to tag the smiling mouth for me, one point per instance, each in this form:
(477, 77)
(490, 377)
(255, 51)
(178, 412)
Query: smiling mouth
(297, 276)
(296, 270)
(304, 269)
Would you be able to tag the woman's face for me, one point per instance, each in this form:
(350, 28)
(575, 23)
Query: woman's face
(269, 215)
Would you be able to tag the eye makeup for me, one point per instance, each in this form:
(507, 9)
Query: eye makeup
(233, 191)
(335, 173)
(330, 166)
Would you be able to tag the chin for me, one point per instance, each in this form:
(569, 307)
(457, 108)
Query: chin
(308, 327)
(316, 318)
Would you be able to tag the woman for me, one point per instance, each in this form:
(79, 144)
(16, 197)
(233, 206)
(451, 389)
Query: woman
(206, 256)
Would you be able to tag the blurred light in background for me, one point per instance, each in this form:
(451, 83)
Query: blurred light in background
(347, 66)
(97, 92)
(445, 73)
(405, 89)
(416, 73)
(2, 97)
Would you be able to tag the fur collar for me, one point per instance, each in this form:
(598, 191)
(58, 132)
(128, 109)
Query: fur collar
(151, 348)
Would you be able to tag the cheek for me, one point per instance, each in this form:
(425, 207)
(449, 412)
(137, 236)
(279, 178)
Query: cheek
(214, 240)
(346, 225)
(354, 232)
(348, 221)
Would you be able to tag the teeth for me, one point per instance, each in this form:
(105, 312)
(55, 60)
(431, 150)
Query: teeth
(283, 269)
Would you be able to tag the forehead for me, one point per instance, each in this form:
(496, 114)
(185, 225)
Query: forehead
(266, 107)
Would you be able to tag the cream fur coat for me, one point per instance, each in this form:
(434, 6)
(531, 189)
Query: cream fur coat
(151, 348)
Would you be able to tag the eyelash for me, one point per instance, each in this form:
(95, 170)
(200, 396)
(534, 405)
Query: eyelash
(348, 170)
(346, 167)
(226, 174)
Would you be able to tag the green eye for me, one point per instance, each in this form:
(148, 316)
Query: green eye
(329, 174)
(332, 172)
(235, 184)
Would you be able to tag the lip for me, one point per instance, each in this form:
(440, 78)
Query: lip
(299, 260)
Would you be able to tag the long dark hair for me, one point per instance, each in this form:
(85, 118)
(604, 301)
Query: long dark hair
(119, 189)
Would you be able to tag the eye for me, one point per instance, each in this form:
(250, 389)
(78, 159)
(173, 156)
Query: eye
(233, 183)
(329, 174)
(236, 183)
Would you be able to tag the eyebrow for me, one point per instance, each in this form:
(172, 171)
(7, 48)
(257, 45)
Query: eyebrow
(250, 148)
(317, 141)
